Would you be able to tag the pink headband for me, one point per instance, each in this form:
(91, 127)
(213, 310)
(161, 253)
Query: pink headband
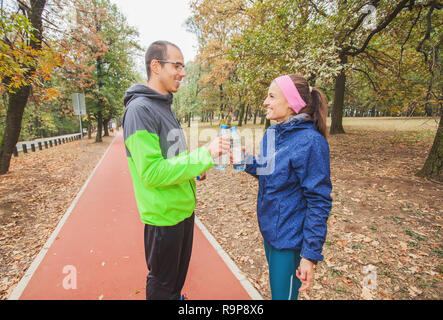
(291, 93)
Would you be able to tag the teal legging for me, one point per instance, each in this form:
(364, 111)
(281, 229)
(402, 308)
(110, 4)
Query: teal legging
(282, 267)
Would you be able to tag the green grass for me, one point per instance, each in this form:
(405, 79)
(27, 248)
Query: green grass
(414, 235)
(422, 127)
(439, 253)
(410, 138)
(335, 272)
(391, 124)
(395, 219)
(413, 244)
(406, 131)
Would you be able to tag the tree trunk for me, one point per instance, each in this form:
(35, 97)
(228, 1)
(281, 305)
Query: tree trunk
(222, 104)
(19, 98)
(14, 116)
(105, 127)
(245, 118)
(262, 118)
(428, 109)
(242, 114)
(433, 167)
(337, 108)
(229, 118)
(98, 137)
(89, 126)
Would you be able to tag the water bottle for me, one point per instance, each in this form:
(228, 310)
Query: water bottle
(238, 157)
(221, 162)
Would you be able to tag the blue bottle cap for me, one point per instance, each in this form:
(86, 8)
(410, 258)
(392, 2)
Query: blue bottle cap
(233, 128)
(224, 126)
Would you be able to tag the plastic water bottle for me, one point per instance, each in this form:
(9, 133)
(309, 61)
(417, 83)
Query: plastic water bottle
(238, 157)
(221, 162)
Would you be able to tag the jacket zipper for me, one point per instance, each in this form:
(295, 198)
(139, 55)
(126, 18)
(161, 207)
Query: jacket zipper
(276, 149)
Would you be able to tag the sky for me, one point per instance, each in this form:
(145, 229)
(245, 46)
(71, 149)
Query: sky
(161, 20)
(157, 20)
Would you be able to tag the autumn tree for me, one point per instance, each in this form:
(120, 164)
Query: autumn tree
(50, 49)
(372, 55)
(429, 46)
(316, 38)
(29, 61)
(215, 23)
(101, 48)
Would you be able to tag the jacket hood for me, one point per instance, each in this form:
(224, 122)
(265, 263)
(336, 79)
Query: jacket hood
(294, 125)
(139, 90)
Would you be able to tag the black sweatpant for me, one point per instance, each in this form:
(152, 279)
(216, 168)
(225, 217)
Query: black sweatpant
(168, 251)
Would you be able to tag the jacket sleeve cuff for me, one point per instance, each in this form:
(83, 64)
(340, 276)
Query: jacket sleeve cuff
(311, 255)
(251, 166)
(205, 157)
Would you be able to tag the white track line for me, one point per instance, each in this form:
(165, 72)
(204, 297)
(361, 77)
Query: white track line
(253, 293)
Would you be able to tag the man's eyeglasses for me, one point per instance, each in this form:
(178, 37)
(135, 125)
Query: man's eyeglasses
(178, 65)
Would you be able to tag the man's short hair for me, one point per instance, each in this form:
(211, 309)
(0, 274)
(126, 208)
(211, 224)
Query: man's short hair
(158, 51)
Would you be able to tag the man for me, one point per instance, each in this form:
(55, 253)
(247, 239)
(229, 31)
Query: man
(163, 170)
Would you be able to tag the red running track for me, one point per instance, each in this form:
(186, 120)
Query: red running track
(97, 251)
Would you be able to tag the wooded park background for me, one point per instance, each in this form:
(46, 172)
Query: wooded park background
(374, 58)
(378, 62)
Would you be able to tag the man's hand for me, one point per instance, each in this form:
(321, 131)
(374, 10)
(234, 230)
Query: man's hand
(219, 146)
(202, 176)
(305, 273)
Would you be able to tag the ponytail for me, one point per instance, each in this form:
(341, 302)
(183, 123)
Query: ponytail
(315, 103)
(320, 111)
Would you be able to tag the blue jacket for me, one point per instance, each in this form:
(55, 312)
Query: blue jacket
(294, 195)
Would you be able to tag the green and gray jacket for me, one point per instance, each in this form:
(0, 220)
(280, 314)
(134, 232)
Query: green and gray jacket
(161, 167)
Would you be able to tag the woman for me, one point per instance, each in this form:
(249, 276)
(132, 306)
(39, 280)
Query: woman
(294, 199)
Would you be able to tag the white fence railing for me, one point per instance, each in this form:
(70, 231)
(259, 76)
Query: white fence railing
(25, 146)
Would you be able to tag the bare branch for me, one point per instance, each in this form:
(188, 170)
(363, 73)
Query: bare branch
(317, 9)
(359, 21)
(380, 27)
(407, 38)
(427, 36)
(367, 76)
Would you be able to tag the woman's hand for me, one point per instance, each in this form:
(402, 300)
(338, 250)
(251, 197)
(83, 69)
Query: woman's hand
(305, 273)
(243, 149)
